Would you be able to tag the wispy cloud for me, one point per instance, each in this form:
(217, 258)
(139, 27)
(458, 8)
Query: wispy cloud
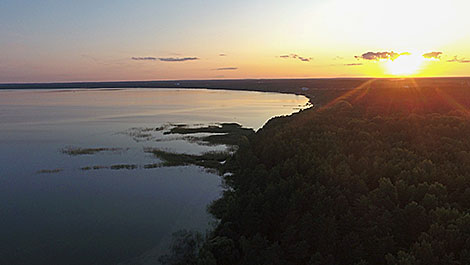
(226, 69)
(353, 64)
(222, 54)
(378, 56)
(432, 55)
(144, 58)
(456, 59)
(178, 59)
(165, 59)
(296, 56)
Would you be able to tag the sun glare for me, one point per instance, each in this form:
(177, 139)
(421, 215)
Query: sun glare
(405, 65)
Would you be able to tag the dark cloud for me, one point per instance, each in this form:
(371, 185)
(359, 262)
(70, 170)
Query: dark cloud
(178, 59)
(377, 56)
(296, 56)
(226, 69)
(456, 59)
(353, 64)
(166, 59)
(303, 59)
(432, 55)
(222, 54)
(144, 58)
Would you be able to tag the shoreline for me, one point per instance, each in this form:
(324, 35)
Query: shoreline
(319, 91)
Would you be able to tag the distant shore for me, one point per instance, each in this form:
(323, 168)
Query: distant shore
(319, 91)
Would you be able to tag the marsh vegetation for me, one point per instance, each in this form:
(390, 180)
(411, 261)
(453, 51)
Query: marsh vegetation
(76, 151)
(230, 135)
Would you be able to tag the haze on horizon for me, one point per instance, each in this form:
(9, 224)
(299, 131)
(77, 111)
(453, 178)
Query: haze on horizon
(52, 40)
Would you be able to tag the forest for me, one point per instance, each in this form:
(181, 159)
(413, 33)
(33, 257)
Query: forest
(379, 175)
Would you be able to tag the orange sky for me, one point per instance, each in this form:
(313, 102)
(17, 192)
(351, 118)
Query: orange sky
(206, 39)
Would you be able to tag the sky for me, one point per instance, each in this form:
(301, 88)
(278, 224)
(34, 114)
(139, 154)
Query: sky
(111, 40)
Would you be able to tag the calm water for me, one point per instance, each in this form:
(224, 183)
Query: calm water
(65, 215)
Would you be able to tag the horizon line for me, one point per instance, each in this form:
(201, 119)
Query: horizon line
(227, 79)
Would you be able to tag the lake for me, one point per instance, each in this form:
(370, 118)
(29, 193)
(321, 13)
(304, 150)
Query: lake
(53, 211)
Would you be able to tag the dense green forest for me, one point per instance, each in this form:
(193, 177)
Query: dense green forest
(377, 176)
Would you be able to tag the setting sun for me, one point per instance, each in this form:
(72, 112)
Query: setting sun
(405, 65)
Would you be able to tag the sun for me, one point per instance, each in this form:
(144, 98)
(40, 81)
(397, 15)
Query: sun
(405, 65)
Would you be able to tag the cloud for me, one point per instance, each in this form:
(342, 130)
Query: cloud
(178, 59)
(377, 56)
(144, 58)
(456, 59)
(165, 59)
(296, 56)
(226, 69)
(432, 55)
(353, 64)
(222, 54)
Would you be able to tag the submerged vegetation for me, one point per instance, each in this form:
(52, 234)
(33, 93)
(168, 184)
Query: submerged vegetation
(123, 166)
(113, 167)
(49, 171)
(76, 151)
(226, 128)
(379, 176)
(232, 135)
(93, 168)
(209, 160)
(145, 134)
(184, 249)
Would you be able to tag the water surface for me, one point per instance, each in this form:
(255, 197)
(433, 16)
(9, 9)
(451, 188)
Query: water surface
(52, 212)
